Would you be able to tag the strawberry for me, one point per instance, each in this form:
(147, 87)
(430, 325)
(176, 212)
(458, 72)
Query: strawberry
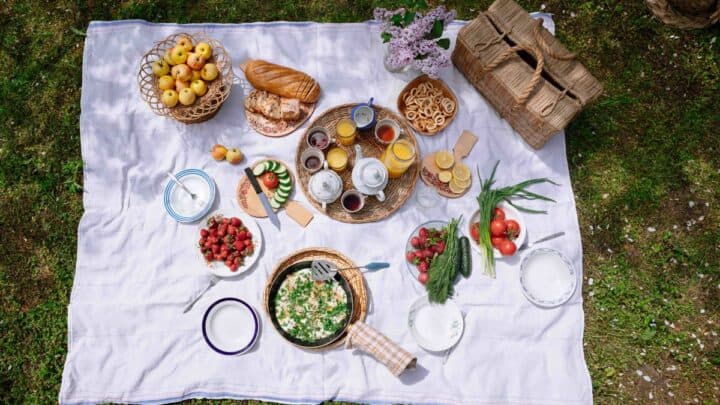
(204, 233)
(239, 245)
(235, 221)
(247, 242)
(234, 267)
(209, 256)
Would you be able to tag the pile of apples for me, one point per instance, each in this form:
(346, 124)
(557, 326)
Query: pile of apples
(183, 72)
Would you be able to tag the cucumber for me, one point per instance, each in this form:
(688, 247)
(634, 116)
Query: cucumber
(464, 257)
(281, 193)
(281, 169)
(284, 181)
(272, 165)
(275, 204)
(280, 200)
(259, 169)
(285, 188)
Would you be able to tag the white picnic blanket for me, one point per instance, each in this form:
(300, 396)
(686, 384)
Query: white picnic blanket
(136, 267)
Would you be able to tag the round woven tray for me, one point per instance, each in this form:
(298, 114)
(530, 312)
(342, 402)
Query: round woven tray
(440, 85)
(686, 14)
(204, 107)
(397, 190)
(354, 277)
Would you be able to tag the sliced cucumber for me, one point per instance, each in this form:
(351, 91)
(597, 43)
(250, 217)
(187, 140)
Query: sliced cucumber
(272, 165)
(275, 203)
(259, 169)
(285, 188)
(280, 170)
(285, 181)
(280, 199)
(279, 193)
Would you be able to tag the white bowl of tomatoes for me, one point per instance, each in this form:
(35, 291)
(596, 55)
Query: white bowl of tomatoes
(229, 245)
(507, 230)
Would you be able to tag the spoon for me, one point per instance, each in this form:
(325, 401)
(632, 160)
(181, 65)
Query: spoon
(543, 239)
(180, 183)
(321, 270)
(214, 280)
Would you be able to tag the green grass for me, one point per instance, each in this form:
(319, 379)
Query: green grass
(645, 157)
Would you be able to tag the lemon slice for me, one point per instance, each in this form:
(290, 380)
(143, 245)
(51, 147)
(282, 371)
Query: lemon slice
(445, 176)
(461, 183)
(457, 189)
(461, 172)
(444, 159)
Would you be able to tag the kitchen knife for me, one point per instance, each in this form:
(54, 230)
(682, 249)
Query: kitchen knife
(263, 198)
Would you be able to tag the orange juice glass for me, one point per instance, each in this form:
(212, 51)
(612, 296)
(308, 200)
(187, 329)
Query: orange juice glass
(398, 156)
(346, 131)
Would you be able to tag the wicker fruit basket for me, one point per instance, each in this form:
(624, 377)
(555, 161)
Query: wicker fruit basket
(686, 14)
(205, 106)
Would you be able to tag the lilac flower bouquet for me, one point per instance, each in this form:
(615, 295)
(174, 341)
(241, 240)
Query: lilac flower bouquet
(414, 39)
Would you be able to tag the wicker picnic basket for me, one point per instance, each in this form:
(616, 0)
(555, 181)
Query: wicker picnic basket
(527, 75)
(204, 107)
(686, 14)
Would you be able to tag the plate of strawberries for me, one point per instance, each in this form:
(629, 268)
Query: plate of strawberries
(229, 245)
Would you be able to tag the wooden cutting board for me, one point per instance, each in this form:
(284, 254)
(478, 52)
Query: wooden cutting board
(429, 172)
(251, 204)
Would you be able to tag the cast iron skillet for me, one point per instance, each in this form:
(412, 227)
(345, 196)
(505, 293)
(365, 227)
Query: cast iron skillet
(271, 307)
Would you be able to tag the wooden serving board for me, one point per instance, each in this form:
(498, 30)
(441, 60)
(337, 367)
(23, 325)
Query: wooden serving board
(429, 171)
(251, 204)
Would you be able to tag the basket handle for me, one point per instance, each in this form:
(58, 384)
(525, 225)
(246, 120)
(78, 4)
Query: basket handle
(537, 74)
(545, 47)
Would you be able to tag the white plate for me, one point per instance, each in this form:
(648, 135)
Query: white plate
(435, 327)
(510, 213)
(218, 268)
(178, 203)
(547, 278)
(230, 326)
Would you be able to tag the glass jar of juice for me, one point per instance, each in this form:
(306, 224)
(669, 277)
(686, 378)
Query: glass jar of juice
(398, 156)
(346, 131)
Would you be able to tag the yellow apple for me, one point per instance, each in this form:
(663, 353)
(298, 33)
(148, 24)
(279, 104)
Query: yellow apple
(178, 55)
(204, 49)
(218, 152)
(234, 156)
(187, 96)
(167, 57)
(195, 75)
(209, 72)
(181, 72)
(185, 43)
(166, 82)
(170, 98)
(199, 87)
(195, 61)
(160, 67)
(179, 85)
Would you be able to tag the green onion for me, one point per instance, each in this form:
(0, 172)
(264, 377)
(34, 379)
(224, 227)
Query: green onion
(489, 198)
(442, 269)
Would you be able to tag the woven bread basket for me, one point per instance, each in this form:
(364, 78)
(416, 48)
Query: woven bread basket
(686, 14)
(205, 106)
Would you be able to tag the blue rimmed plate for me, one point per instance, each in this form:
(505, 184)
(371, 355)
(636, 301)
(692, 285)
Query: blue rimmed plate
(178, 203)
(547, 278)
(230, 326)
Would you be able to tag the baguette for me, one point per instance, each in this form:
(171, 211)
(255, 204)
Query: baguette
(281, 80)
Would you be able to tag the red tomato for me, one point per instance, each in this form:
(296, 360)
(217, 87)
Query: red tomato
(423, 278)
(499, 214)
(475, 231)
(423, 267)
(513, 228)
(497, 227)
(270, 180)
(507, 248)
(496, 241)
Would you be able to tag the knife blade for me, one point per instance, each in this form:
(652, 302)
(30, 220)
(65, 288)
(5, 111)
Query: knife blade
(263, 198)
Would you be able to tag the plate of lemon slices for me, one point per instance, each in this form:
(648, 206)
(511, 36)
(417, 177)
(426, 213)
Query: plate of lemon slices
(445, 171)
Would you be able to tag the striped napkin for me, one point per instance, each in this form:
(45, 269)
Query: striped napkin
(363, 337)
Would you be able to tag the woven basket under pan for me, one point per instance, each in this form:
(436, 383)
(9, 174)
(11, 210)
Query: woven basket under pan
(205, 106)
(686, 14)
(354, 277)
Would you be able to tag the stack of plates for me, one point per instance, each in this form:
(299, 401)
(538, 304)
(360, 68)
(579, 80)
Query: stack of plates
(178, 203)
